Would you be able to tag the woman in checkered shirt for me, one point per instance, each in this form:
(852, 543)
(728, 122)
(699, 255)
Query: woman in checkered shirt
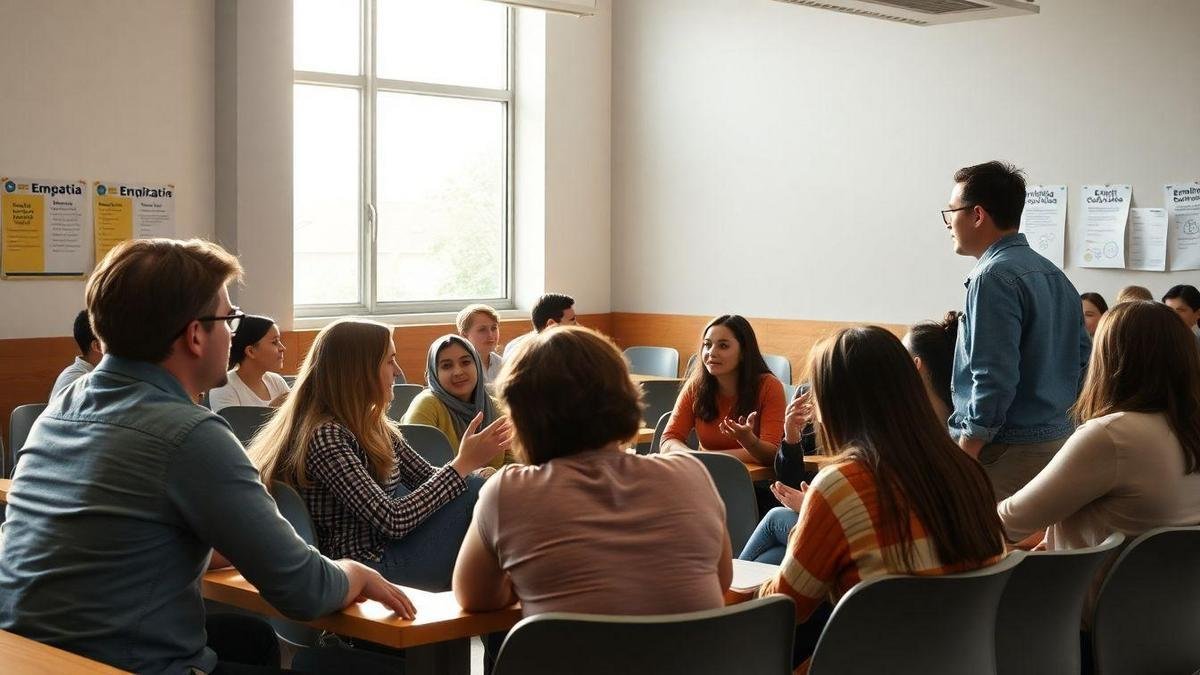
(371, 496)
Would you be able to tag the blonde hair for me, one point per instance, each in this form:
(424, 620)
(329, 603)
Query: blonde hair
(338, 382)
(463, 320)
(1130, 293)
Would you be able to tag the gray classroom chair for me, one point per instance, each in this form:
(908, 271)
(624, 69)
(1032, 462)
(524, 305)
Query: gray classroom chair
(659, 397)
(657, 361)
(691, 363)
(402, 397)
(292, 508)
(660, 427)
(913, 625)
(290, 380)
(737, 491)
(429, 442)
(1037, 629)
(1147, 617)
(246, 420)
(780, 366)
(751, 637)
(19, 424)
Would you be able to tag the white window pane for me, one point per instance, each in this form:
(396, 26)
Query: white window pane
(461, 42)
(441, 193)
(327, 195)
(327, 36)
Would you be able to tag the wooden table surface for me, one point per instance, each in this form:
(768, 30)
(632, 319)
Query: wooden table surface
(439, 616)
(22, 656)
(653, 378)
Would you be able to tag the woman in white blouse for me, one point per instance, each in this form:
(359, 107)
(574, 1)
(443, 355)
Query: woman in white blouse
(255, 359)
(1134, 462)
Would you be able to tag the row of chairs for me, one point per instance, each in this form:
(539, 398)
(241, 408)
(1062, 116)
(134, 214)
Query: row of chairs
(1019, 616)
(664, 362)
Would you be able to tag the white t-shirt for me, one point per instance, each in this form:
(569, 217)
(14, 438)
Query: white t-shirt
(237, 393)
(493, 368)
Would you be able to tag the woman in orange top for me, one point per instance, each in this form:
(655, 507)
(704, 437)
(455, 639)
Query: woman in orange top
(733, 402)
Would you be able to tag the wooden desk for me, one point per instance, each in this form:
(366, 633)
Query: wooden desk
(22, 656)
(5, 487)
(437, 640)
(653, 378)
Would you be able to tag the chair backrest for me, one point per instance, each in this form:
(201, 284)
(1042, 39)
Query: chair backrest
(657, 361)
(660, 427)
(1037, 628)
(659, 397)
(290, 380)
(737, 491)
(1147, 617)
(429, 442)
(292, 508)
(751, 637)
(402, 397)
(932, 625)
(19, 424)
(780, 366)
(691, 363)
(246, 420)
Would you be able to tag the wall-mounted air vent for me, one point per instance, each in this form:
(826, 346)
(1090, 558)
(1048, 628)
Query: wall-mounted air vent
(925, 12)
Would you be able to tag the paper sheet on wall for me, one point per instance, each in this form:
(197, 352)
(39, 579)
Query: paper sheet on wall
(1044, 220)
(1183, 212)
(1105, 212)
(1148, 239)
(131, 211)
(45, 228)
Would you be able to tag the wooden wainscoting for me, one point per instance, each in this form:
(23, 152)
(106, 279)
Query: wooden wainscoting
(792, 338)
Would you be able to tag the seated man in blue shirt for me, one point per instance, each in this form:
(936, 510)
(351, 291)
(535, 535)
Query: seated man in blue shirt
(1022, 347)
(125, 486)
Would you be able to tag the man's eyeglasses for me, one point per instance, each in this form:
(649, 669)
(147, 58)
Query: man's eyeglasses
(946, 212)
(234, 320)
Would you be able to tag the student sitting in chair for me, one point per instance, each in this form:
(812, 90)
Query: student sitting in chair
(371, 496)
(90, 353)
(255, 360)
(550, 311)
(480, 325)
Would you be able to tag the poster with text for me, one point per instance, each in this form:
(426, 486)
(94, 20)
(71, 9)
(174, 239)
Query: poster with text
(1183, 216)
(1044, 220)
(1104, 210)
(1147, 240)
(45, 228)
(131, 211)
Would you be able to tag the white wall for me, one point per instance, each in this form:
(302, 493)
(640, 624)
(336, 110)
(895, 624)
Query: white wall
(114, 90)
(781, 161)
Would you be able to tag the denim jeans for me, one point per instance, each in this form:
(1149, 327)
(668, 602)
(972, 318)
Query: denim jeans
(424, 558)
(768, 544)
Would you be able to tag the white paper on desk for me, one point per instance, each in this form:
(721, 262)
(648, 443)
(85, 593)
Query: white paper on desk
(1183, 213)
(1044, 220)
(1105, 212)
(749, 575)
(1147, 240)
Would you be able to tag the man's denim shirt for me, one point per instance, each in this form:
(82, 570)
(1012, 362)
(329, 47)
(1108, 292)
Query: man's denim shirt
(1022, 348)
(121, 492)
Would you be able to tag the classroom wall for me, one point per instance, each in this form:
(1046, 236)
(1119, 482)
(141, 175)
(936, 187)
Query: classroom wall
(118, 90)
(782, 161)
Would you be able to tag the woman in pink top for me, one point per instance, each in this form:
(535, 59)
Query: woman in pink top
(732, 401)
(585, 526)
(1134, 462)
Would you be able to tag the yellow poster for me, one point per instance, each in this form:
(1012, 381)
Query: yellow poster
(131, 211)
(44, 228)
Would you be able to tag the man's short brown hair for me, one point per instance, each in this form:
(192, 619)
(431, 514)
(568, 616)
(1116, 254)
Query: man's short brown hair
(146, 291)
(566, 391)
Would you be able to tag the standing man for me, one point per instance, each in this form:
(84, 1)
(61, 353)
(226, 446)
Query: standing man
(1022, 347)
(125, 488)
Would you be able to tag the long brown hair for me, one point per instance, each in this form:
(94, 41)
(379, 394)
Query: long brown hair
(338, 382)
(1144, 359)
(751, 367)
(873, 409)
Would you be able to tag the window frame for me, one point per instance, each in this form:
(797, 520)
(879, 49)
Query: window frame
(369, 86)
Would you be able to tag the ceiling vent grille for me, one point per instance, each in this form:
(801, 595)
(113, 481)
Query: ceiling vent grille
(925, 12)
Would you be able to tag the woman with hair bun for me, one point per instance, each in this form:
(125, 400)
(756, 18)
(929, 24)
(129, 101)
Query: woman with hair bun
(255, 359)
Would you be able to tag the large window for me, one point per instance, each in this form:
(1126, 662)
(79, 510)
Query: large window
(402, 155)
